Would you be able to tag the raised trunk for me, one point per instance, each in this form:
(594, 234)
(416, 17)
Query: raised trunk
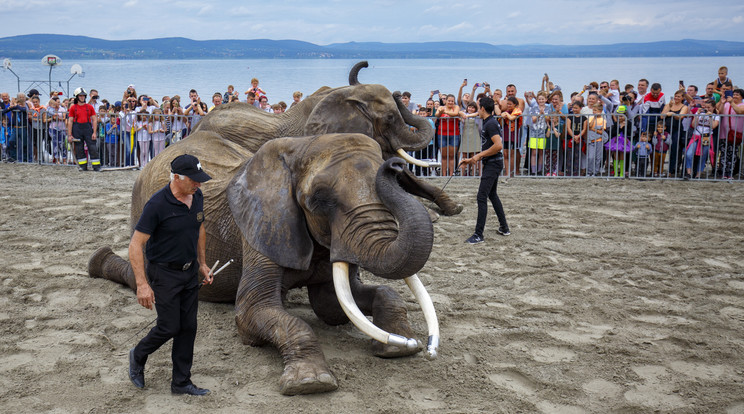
(354, 72)
(415, 140)
(395, 249)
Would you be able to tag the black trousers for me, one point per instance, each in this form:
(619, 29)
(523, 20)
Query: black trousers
(176, 301)
(84, 132)
(487, 191)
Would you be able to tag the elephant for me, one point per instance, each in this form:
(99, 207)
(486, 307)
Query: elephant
(363, 108)
(306, 212)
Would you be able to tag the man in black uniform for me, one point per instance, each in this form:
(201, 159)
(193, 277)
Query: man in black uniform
(172, 230)
(493, 164)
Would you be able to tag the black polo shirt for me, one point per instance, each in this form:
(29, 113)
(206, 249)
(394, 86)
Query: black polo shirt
(172, 226)
(490, 128)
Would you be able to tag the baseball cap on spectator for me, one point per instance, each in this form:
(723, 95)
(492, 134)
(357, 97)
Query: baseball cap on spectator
(622, 109)
(189, 166)
(117, 103)
(32, 93)
(131, 85)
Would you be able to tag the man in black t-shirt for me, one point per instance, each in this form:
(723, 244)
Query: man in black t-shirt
(493, 164)
(171, 231)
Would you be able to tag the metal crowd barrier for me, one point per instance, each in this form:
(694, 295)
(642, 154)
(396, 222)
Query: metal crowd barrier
(123, 139)
(617, 152)
(529, 150)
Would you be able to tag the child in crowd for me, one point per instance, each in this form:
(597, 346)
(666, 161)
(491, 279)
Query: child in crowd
(227, 97)
(661, 140)
(296, 98)
(619, 144)
(512, 119)
(596, 127)
(277, 109)
(258, 92)
(111, 140)
(576, 131)
(701, 143)
(643, 149)
(157, 128)
(56, 115)
(538, 133)
(263, 103)
(552, 142)
(721, 79)
(471, 139)
(141, 130)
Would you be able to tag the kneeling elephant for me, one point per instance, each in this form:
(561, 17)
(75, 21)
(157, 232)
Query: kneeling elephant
(310, 212)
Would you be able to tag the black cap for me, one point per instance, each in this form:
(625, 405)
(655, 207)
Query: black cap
(189, 166)
(32, 93)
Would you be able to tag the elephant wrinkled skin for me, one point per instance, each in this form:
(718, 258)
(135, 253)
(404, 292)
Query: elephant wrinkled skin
(294, 208)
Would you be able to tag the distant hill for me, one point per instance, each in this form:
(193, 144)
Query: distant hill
(81, 47)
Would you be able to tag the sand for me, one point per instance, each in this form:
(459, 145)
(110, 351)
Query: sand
(609, 296)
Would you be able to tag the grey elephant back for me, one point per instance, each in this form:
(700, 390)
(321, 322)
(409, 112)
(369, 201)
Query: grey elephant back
(221, 159)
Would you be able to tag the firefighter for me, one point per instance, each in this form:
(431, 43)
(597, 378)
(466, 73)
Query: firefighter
(82, 126)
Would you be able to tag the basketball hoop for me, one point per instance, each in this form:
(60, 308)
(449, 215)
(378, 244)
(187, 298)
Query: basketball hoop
(51, 60)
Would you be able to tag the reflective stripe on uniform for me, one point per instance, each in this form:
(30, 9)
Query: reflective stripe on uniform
(95, 162)
(82, 162)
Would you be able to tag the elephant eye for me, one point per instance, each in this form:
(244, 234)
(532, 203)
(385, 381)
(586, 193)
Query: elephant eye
(322, 199)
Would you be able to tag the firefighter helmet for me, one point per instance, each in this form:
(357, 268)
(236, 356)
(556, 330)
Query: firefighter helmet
(80, 91)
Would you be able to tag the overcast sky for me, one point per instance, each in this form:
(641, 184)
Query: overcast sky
(336, 21)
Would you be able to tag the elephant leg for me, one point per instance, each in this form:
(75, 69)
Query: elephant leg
(388, 312)
(261, 318)
(413, 185)
(323, 298)
(104, 263)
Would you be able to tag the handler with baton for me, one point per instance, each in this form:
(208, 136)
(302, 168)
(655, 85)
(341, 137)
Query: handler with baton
(171, 231)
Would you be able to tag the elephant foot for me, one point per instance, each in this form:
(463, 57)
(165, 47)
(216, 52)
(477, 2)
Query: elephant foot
(452, 210)
(307, 377)
(391, 351)
(96, 261)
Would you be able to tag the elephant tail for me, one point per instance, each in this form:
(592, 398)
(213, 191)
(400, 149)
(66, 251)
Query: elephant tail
(105, 264)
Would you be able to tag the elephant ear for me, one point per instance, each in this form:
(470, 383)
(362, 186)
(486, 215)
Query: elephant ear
(340, 112)
(261, 199)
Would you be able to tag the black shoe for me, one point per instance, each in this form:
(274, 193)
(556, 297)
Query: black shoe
(687, 176)
(83, 168)
(97, 168)
(136, 371)
(474, 239)
(190, 389)
(504, 231)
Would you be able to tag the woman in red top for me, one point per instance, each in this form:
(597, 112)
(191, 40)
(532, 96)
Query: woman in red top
(81, 129)
(449, 133)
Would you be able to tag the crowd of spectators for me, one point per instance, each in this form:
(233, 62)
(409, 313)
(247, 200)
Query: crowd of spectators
(130, 131)
(600, 130)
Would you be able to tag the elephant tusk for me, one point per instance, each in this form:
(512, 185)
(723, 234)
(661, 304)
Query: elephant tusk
(346, 299)
(427, 306)
(409, 159)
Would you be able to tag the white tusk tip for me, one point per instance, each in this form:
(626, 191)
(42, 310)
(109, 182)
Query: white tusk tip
(431, 348)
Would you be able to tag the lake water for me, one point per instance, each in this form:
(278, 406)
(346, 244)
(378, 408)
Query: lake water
(280, 77)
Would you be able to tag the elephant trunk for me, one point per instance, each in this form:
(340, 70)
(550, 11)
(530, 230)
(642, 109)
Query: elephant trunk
(394, 248)
(415, 140)
(105, 264)
(354, 72)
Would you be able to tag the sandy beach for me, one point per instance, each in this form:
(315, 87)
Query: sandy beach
(616, 296)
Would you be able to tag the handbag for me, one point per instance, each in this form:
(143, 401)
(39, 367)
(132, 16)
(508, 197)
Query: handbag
(733, 135)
